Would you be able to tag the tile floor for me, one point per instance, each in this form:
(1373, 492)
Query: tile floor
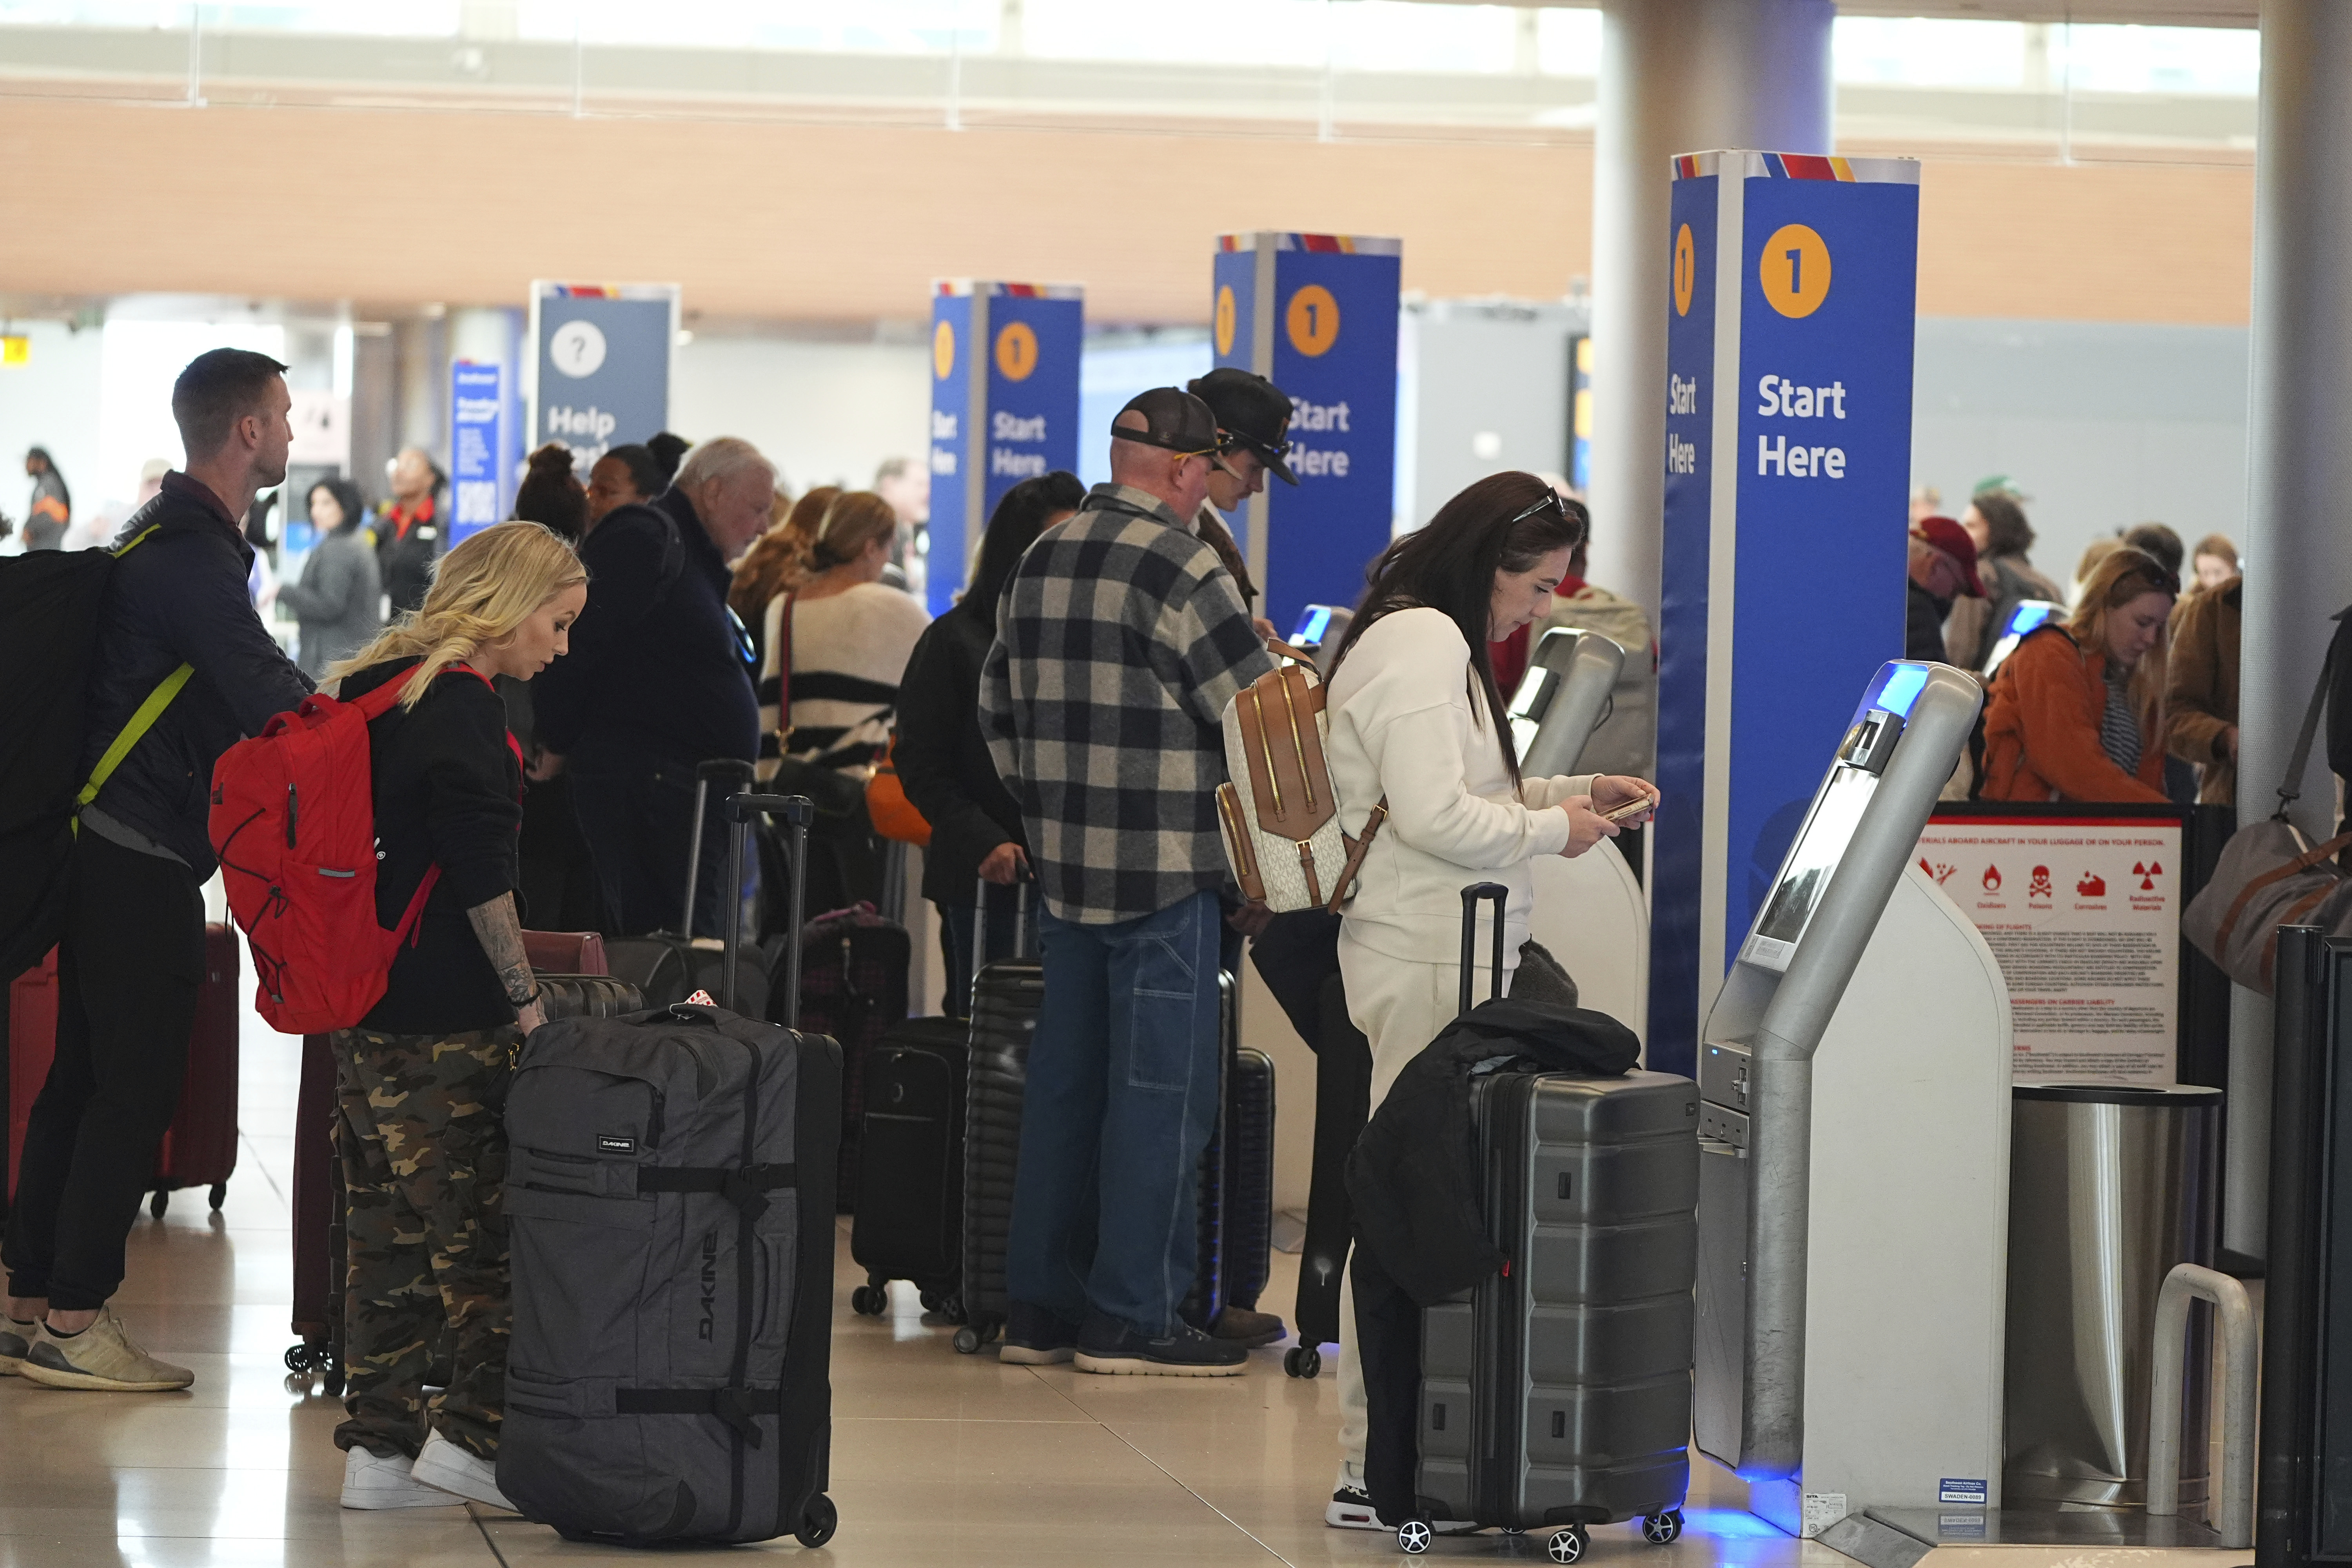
(937, 1458)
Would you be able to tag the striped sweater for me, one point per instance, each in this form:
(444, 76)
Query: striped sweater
(847, 652)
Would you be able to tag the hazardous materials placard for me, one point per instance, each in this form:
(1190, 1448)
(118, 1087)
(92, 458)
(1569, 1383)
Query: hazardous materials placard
(2083, 917)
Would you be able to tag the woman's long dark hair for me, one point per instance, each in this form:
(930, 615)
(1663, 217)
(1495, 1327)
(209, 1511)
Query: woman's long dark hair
(1013, 528)
(1450, 565)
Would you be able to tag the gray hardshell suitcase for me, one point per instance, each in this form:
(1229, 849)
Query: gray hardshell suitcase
(1558, 1391)
(669, 1203)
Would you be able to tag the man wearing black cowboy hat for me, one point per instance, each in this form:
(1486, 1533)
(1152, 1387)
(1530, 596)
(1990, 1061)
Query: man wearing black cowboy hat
(1253, 439)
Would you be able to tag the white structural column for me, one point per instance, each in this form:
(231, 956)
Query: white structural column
(1677, 75)
(2299, 465)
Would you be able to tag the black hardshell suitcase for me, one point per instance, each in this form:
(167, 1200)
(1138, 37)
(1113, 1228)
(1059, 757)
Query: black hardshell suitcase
(1248, 1176)
(670, 966)
(1005, 995)
(669, 1201)
(1557, 1393)
(910, 1222)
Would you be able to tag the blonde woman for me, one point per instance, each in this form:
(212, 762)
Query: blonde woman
(423, 1153)
(838, 640)
(2077, 711)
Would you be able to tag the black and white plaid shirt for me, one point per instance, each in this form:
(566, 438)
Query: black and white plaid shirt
(1119, 643)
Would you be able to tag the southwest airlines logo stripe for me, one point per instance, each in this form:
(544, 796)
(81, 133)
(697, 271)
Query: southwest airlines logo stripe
(1805, 166)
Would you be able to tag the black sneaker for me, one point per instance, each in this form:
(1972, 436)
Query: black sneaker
(1035, 1337)
(1109, 1345)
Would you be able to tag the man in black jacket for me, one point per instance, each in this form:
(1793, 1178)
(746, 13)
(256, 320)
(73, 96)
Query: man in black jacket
(132, 952)
(658, 682)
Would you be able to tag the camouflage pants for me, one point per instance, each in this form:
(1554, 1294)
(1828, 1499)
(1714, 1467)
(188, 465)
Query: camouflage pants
(424, 1154)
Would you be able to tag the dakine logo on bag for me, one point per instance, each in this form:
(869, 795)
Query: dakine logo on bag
(708, 1326)
(613, 1143)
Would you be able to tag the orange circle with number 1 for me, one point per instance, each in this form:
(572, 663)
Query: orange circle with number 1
(942, 350)
(1016, 350)
(1226, 316)
(1686, 270)
(1795, 270)
(1312, 321)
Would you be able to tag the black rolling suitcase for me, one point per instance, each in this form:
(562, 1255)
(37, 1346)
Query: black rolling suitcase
(669, 1201)
(669, 966)
(1005, 1000)
(1248, 1176)
(854, 968)
(1558, 1392)
(910, 1222)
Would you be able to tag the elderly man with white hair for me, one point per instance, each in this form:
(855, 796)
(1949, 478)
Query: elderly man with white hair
(657, 683)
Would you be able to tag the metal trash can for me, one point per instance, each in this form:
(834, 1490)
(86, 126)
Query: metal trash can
(2109, 1188)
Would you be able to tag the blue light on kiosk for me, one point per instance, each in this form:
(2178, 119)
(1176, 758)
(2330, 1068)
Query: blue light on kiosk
(1896, 688)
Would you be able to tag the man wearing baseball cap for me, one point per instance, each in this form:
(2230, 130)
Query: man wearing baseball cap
(1252, 438)
(1943, 568)
(1119, 640)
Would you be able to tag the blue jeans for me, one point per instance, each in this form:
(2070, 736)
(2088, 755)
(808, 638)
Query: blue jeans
(1121, 1098)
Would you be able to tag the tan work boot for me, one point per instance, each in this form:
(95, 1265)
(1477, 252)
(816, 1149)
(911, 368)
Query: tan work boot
(1248, 1328)
(15, 1339)
(100, 1357)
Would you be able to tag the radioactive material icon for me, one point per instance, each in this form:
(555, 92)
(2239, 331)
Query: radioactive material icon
(2147, 874)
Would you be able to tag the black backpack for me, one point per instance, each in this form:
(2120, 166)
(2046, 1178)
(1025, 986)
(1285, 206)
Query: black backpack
(48, 640)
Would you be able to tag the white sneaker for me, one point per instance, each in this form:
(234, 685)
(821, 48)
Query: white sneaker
(15, 1341)
(1350, 1506)
(373, 1482)
(446, 1466)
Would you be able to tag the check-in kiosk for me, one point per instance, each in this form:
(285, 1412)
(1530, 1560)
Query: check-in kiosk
(1854, 1136)
(1590, 912)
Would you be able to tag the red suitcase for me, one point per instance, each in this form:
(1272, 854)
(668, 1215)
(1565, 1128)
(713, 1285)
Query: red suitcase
(199, 1148)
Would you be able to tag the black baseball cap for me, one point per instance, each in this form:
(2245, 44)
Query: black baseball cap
(1173, 418)
(1252, 411)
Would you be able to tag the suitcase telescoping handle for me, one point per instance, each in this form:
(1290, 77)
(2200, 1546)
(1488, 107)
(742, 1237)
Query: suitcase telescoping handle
(1020, 920)
(731, 770)
(1471, 897)
(742, 811)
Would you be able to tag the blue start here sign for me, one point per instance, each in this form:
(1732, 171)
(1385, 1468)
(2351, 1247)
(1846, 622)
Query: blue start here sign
(1317, 315)
(1788, 469)
(1004, 408)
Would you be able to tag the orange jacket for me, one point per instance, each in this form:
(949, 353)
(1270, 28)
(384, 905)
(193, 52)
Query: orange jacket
(2042, 729)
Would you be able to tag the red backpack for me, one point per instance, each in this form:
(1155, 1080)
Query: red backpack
(293, 821)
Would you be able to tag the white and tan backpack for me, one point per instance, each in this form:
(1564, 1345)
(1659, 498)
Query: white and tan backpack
(1279, 814)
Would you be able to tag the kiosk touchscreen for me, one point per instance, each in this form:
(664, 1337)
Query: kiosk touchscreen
(1854, 1131)
(2029, 615)
(1562, 699)
(1318, 625)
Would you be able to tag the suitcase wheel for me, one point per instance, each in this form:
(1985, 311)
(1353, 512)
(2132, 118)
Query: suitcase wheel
(1302, 1361)
(218, 1195)
(1569, 1544)
(870, 1300)
(1414, 1536)
(159, 1203)
(818, 1523)
(970, 1338)
(1660, 1529)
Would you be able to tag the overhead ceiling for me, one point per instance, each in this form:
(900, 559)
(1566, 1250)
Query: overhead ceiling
(2148, 13)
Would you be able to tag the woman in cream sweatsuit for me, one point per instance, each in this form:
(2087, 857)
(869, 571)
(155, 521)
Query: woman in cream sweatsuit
(1415, 717)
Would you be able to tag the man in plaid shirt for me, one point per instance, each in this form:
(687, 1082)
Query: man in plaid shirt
(1119, 640)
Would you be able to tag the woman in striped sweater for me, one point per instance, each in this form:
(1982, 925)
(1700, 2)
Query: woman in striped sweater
(837, 642)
